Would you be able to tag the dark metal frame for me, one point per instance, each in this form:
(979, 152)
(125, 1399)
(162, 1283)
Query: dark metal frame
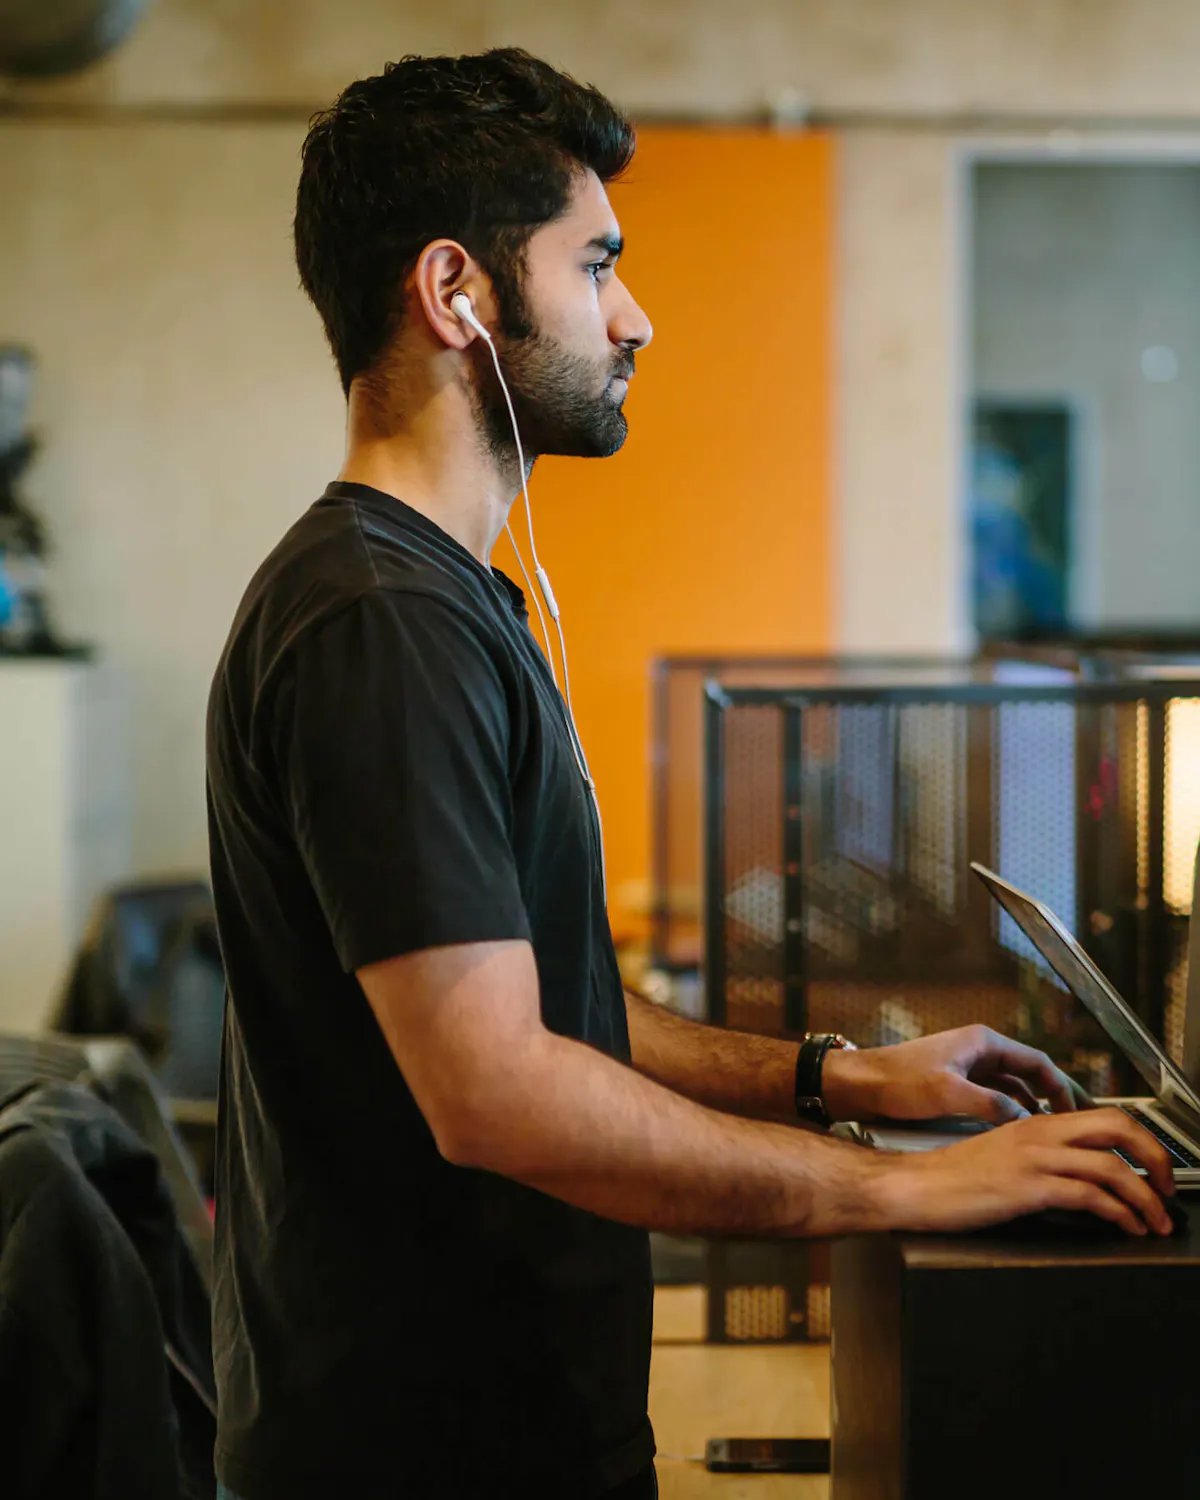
(661, 671)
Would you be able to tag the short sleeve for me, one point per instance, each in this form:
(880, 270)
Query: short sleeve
(392, 746)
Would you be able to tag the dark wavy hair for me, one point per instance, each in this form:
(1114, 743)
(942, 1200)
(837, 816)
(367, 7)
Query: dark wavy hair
(482, 149)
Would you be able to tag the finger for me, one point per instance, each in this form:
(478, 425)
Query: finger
(1001, 1055)
(1063, 1095)
(1083, 1100)
(1068, 1192)
(1018, 1089)
(1112, 1128)
(1109, 1171)
(960, 1097)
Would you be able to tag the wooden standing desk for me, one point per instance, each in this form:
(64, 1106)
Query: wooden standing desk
(985, 1367)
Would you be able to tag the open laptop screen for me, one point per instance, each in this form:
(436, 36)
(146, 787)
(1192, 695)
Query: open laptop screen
(1088, 985)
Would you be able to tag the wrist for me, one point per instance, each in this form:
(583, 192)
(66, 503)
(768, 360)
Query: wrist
(866, 1198)
(887, 1196)
(849, 1085)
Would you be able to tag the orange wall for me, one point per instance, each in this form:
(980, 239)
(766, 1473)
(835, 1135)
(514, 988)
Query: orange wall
(710, 530)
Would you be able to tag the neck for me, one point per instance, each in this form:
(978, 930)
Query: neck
(426, 450)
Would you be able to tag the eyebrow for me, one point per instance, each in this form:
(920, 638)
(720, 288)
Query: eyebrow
(610, 244)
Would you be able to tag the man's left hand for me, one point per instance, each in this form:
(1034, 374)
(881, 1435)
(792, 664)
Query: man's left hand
(970, 1071)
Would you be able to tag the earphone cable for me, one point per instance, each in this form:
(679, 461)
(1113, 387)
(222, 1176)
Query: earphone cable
(551, 604)
(533, 595)
(539, 571)
(582, 756)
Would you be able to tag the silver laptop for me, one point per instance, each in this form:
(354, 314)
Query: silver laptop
(1171, 1112)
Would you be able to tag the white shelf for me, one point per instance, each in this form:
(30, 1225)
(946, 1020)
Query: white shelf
(64, 820)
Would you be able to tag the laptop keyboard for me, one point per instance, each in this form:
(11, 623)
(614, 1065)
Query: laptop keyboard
(1178, 1152)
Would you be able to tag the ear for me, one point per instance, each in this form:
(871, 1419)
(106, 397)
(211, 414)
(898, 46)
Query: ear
(442, 269)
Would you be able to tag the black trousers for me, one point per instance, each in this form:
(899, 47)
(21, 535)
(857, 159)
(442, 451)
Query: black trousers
(643, 1486)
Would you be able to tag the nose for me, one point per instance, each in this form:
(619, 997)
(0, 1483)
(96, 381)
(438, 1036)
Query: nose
(630, 326)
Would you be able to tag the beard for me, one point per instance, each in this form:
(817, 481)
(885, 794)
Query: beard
(563, 402)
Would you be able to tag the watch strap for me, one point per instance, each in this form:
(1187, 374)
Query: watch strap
(810, 1062)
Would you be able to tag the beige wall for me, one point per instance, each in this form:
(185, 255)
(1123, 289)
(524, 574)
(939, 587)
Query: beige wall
(899, 552)
(185, 402)
(1098, 57)
(186, 399)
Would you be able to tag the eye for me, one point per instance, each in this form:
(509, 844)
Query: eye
(596, 267)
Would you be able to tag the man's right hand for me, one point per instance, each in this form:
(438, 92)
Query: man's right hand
(1049, 1161)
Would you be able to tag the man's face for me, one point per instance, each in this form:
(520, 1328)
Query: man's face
(568, 369)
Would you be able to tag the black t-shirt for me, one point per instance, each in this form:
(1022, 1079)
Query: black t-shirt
(390, 769)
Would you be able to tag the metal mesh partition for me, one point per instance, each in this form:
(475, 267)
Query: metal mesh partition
(678, 684)
(1165, 659)
(678, 787)
(840, 824)
(1161, 659)
(842, 821)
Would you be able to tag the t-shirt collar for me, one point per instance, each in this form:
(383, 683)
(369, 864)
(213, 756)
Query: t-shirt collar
(395, 510)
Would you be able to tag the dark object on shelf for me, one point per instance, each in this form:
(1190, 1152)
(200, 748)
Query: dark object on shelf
(24, 622)
(959, 1363)
(105, 1350)
(841, 820)
(48, 38)
(150, 968)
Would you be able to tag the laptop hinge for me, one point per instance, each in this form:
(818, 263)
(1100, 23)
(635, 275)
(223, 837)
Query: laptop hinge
(1180, 1114)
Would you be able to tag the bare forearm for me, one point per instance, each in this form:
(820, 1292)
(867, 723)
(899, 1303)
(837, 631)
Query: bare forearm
(596, 1134)
(733, 1071)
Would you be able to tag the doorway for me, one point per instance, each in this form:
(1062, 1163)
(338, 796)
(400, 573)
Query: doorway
(1082, 421)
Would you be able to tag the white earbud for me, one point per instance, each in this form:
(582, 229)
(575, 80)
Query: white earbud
(460, 306)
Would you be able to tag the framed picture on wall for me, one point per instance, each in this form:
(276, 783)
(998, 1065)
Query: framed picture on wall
(1020, 515)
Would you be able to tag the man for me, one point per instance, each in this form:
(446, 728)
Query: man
(444, 1130)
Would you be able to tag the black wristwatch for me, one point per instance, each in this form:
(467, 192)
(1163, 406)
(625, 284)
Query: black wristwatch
(810, 1105)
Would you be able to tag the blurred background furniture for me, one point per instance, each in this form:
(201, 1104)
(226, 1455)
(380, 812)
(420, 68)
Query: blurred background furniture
(150, 968)
(115, 1070)
(105, 1317)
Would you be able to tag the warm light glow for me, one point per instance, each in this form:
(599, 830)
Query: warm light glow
(1181, 830)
